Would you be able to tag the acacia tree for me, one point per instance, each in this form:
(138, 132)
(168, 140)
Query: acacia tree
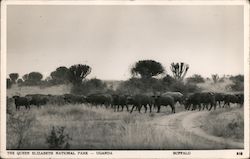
(147, 69)
(13, 77)
(77, 73)
(35, 77)
(179, 70)
(60, 75)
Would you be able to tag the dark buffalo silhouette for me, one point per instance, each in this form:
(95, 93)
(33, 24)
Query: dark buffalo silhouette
(56, 99)
(177, 96)
(119, 101)
(240, 97)
(21, 101)
(37, 99)
(74, 99)
(219, 97)
(99, 99)
(164, 101)
(141, 100)
(198, 99)
(230, 98)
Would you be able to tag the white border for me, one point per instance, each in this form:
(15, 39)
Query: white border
(130, 154)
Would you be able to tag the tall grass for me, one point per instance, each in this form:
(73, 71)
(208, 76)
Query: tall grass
(93, 128)
(227, 123)
(24, 90)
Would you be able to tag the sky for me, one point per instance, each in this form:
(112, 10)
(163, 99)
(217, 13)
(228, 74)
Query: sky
(111, 39)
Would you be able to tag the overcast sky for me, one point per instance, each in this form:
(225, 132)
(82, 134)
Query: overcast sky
(111, 39)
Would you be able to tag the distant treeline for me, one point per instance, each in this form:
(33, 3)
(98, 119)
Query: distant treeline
(147, 76)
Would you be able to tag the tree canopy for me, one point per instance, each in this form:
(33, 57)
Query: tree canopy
(77, 73)
(147, 69)
(60, 75)
(13, 77)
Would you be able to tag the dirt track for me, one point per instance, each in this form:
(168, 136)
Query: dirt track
(187, 128)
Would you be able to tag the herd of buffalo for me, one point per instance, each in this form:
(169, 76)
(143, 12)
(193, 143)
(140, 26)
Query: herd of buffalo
(190, 101)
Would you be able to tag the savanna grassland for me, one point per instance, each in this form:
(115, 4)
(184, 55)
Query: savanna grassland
(89, 127)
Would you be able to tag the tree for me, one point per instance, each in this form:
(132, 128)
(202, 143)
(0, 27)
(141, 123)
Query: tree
(13, 77)
(35, 77)
(215, 78)
(60, 75)
(168, 80)
(196, 79)
(147, 69)
(25, 77)
(77, 73)
(179, 70)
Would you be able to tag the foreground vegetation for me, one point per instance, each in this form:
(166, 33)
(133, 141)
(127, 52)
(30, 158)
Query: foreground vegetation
(226, 123)
(88, 127)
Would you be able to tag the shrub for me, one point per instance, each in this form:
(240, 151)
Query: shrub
(195, 79)
(90, 86)
(141, 86)
(18, 129)
(57, 139)
(184, 88)
(238, 83)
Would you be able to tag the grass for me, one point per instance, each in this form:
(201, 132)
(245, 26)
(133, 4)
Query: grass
(94, 128)
(227, 123)
(22, 91)
(101, 128)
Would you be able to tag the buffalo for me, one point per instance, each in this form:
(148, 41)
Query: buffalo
(99, 99)
(237, 98)
(119, 100)
(219, 97)
(56, 99)
(74, 99)
(177, 96)
(164, 101)
(21, 101)
(240, 97)
(198, 99)
(141, 100)
(37, 99)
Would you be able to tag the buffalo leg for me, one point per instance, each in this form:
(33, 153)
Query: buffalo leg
(132, 109)
(127, 107)
(150, 108)
(158, 110)
(145, 106)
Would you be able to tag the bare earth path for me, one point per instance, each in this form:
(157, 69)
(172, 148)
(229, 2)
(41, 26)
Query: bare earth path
(187, 129)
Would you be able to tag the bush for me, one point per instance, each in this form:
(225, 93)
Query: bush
(196, 79)
(237, 86)
(237, 78)
(18, 129)
(57, 139)
(238, 83)
(141, 86)
(90, 86)
(184, 88)
(168, 80)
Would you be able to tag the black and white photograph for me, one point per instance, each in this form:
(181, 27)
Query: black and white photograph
(107, 78)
